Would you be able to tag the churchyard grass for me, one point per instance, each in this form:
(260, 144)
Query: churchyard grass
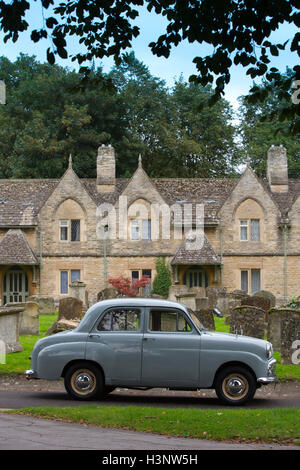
(17, 363)
(240, 425)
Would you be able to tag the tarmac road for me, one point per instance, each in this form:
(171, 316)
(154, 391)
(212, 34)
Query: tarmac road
(27, 433)
(13, 399)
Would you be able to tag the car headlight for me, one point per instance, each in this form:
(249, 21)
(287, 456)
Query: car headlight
(269, 350)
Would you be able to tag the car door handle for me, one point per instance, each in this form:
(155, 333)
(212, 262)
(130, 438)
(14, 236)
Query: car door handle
(149, 339)
(94, 335)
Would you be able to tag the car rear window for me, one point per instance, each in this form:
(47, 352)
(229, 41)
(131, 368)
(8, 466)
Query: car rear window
(120, 319)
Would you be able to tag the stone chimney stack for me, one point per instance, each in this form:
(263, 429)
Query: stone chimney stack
(106, 169)
(277, 169)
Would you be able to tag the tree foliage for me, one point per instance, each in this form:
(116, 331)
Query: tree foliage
(127, 286)
(162, 279)
(238, 32)
(49, 115)
(258, 132)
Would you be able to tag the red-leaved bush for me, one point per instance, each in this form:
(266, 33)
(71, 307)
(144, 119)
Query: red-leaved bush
(126, 286)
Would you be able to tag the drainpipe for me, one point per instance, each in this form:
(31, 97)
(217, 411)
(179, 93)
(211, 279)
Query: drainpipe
(285, 230)
(221, 255)
(41, 257)
(105, 255)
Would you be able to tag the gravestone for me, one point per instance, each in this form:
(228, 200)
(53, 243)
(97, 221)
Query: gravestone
(69, 315)
(70, 308)
(288, 326)
(274, 328)
(77, 290)
(206, 317)
(29, 319)
(248, 320)
(45, 303)
(10, 327)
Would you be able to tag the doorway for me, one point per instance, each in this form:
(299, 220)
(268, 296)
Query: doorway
(14, 285)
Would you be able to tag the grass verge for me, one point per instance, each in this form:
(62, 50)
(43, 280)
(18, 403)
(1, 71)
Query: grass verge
(279, 426)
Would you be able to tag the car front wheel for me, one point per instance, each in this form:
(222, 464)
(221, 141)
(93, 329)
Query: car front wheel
(84, 382)
(235, 386)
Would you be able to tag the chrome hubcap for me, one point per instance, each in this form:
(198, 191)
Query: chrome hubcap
(83, 382)
(235, 387)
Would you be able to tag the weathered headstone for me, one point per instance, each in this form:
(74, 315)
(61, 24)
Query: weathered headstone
(206, 317)
(70, 308)
(69, 315)
(77, 290)
(107, 293)
(45, 303)
(248, 320)
(274, 328)
(201, 303)
(9, 328)
(289, 332)
(29, 319)
(189, 300)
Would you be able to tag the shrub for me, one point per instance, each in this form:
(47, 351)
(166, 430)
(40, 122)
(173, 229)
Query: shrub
(162, 280)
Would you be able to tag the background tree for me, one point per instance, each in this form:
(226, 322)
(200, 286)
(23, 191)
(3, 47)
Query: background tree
(162, 279)
(49, 114)
(238, 33)
(258, 132)
(127, 286)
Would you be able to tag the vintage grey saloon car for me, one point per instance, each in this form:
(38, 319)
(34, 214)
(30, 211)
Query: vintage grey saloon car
(147, 343)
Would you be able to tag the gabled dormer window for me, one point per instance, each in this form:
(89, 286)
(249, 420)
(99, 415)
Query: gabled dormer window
(250, 230)
(69, 230)
(140, 230)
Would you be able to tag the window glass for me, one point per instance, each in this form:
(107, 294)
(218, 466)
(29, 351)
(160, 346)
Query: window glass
(255, 230)
(134, 230)
(244, 230)
(64, 282)
(244, 280)
(255, 280)
(168, 321)
(121, 319)
(75, 230)
(75, 275)
(64, 230)
(146, 229)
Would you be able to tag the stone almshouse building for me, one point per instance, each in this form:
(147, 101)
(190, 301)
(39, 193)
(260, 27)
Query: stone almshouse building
(50, 236)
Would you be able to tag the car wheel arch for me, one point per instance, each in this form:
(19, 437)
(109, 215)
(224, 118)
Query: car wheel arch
(87, 362)
(226, 365)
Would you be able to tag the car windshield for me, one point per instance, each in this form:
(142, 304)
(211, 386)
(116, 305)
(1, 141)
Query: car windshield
(196, 319)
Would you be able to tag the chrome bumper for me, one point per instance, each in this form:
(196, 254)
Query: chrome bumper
(271, 376)
(30, 374)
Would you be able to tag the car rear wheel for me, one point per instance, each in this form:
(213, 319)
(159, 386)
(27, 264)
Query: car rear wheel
(235, 386)
(84, 382)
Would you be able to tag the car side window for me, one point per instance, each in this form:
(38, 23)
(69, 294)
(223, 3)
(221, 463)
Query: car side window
(168, 320)
(120, 319)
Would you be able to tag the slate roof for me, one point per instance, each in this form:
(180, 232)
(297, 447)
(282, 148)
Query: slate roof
(203, 256)
(21, 200)
(14, 249)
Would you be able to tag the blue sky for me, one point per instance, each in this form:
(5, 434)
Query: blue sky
(180, 61)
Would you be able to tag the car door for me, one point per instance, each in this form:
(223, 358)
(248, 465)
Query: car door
(115, 343)
(171, 349)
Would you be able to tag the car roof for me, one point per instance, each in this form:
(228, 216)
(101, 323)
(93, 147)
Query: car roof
(94, 311)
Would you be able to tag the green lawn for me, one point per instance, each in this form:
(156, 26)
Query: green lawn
(241, 425)
(17, 363)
